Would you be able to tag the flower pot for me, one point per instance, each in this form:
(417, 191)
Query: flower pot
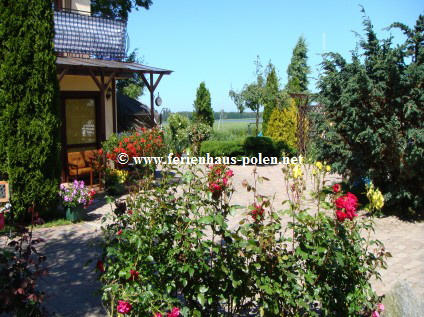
(77, 213)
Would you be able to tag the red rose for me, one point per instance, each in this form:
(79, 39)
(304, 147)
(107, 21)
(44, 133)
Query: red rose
(336, 188)
(134, 275)
(348, 203)
(341, 216)
(119, 232)
(257, 213)
(100, 266)
(130, 212)
(230, 173)
(100, 152)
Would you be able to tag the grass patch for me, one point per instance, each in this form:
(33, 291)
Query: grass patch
(233, 131)
(55, 223)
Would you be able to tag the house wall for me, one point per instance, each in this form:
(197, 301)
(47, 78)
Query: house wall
(79, 5)
(86, 83)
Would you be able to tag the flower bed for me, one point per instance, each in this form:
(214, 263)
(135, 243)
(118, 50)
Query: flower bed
(171, 255)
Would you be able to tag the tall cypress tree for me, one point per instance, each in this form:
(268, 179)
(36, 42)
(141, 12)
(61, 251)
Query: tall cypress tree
(298, 69)
(272, 95)
(29, 111)
(202, 106)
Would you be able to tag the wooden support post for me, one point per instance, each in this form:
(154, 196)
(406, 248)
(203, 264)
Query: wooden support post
(152, 101)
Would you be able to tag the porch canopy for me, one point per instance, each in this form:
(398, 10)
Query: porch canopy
(108, 70)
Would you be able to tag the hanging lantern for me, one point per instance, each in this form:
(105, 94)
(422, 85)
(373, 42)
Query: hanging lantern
(158, 101)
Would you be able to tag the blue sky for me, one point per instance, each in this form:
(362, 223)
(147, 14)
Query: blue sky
(218, 41)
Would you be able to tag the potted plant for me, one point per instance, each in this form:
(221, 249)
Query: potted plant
(76, 198)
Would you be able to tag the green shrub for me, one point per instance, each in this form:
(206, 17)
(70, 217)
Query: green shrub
(255, 145)
(29, 107)
(178, 128)
(197, 133)
(283, 149)
(282, 125)
(375, 117)
(222, 148)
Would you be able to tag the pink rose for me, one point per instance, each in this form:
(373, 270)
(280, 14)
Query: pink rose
(158, 315)
(229, 173)
(124, 307)
(225, 181)
(375, 314)
(175, 312)
(380, 307)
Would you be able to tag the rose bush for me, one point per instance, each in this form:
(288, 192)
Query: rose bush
(172, 253)
(21, 265)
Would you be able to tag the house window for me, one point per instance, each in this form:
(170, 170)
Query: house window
(80, 121)
(67, 4)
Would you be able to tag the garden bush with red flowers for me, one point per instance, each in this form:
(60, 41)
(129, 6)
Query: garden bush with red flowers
(145, 142)
(172, 253)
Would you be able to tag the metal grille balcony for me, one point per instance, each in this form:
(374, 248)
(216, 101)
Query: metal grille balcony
(88, 35)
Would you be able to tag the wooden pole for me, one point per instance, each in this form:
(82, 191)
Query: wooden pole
(152, 101)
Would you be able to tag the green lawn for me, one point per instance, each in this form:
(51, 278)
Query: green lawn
(233, 130)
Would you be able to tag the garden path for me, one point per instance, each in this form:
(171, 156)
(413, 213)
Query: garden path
(71, 285)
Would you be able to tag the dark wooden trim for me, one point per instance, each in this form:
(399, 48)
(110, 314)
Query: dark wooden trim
(157, 82)
(63, 138)
(111, 69)
(62, 74)
(74, 146)
(114, 104)
(109, 80)
(94, 77)
(146, 82)
(102, 116)
(77, 95)
(152, 101)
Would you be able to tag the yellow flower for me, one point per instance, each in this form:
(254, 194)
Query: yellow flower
(319, 165)
(375, 197)
(328, 168)
(297, 171)
(314, 171)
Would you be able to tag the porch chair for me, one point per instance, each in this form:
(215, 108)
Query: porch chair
(83, 163)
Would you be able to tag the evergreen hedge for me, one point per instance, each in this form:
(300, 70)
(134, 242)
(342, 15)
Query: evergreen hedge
(29, 108)
(222, 148)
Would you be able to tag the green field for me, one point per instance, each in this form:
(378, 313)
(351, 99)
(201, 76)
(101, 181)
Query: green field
(233, 130)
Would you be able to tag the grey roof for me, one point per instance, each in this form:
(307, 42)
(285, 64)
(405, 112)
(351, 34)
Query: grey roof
(132, 114)
(92, 63)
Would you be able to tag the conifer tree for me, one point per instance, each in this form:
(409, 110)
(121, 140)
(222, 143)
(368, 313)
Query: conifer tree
(374, 110)
(272, 95)
(202, 106)
(29, 110)
(298, 69)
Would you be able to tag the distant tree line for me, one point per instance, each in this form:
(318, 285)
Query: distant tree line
(225, 115)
